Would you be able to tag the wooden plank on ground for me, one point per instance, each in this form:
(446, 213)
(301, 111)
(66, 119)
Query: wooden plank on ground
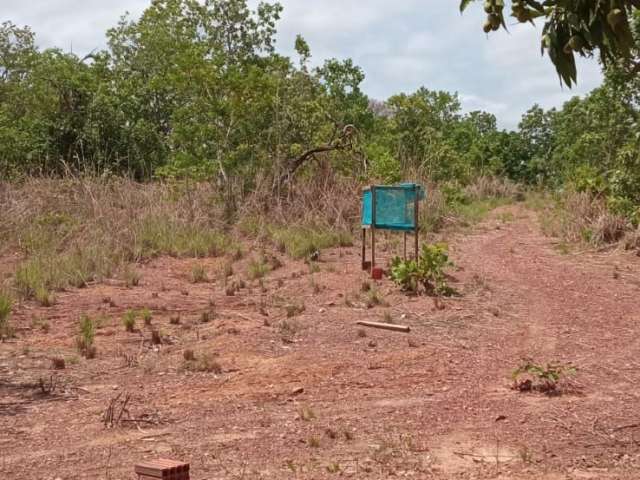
(386, 326)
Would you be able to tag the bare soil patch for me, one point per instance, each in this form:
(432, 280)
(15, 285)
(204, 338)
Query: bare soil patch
(305, 395)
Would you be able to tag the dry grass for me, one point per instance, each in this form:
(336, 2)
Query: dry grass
(74, 231)
(580, 218)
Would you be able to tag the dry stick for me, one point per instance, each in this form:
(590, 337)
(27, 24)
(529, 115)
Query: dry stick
(386, 326)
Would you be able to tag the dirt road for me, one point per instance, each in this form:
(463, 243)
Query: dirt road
(314, 396)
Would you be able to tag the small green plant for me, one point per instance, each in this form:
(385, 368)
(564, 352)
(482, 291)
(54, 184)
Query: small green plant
(258, 268)
(530, 376)
(427, 272)
(199, 274)
(86, 337)
(146, 315)
(313, 441)
(129, 320)
(6, 307)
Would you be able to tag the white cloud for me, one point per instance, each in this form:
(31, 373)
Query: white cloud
(400, 44)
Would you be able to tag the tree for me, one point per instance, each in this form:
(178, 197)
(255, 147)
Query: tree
(582, 27)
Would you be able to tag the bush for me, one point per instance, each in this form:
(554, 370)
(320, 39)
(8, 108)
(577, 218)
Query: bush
(428, 271)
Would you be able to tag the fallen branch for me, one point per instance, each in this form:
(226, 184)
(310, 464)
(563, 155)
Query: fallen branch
(386, 326)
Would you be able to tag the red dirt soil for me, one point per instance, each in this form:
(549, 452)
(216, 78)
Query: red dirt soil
(321, 397)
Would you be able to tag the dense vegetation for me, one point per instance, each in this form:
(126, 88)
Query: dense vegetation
(198, 91)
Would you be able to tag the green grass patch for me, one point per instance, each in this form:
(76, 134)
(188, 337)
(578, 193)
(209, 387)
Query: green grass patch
(301, 242)
(156, 236)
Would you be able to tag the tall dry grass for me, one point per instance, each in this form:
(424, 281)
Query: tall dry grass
(77, 230)
(579, 217)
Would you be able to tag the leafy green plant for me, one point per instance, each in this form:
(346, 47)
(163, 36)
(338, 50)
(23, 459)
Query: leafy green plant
(427, 272)
(86, 337)
(530, 376)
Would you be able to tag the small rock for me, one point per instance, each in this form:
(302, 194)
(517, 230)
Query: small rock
(297, 391)
(373, 343)
(321, 310)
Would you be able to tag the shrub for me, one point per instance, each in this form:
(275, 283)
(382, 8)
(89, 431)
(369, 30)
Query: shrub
(86, 337)
(428, 271)
(129, 320)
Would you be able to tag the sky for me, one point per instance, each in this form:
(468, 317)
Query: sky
(401, 45)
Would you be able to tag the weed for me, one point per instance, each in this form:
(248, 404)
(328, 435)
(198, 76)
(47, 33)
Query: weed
(334, 467)
(206, 316)
(314, 267)
(86, 337)
(146, 315)
(387, 317)
(313, 441)
(258, 268)
(428, 271)
(294, 309)
(226, 270)
(530, 376)
(306, 413)
(58, 363)
(129, 320)
(6, 307)
(204, 363)
(362, 333)
(199, 274)
(289, 328)
(373, 299)
(44, 297)
(131, 277)
(348, 435)
(174, 320)
(365, 286)
(40, 324)
(73, 360)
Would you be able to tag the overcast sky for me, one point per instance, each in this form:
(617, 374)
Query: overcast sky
(400, 44)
